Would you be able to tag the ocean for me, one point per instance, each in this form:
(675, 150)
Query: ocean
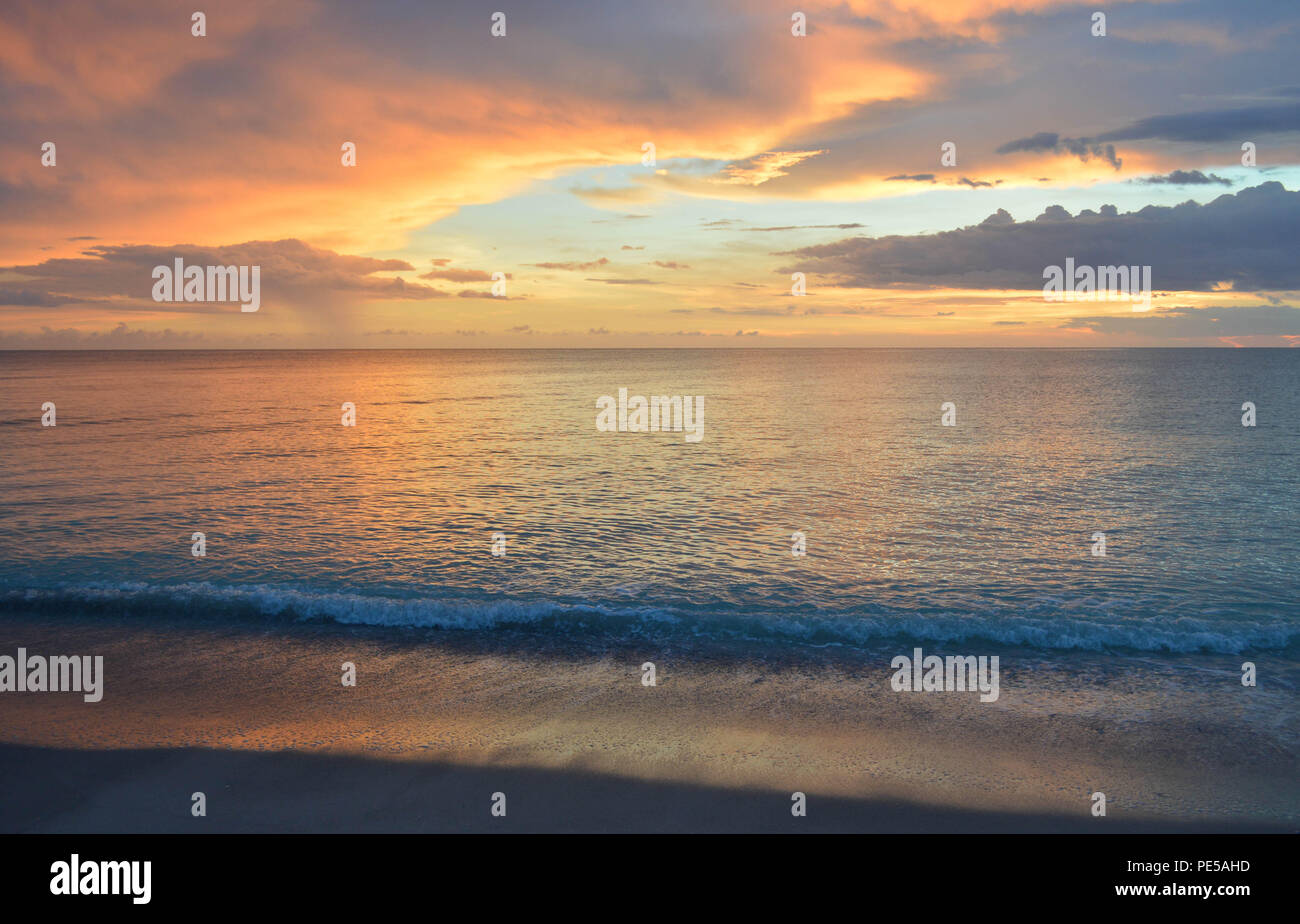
(913, 531)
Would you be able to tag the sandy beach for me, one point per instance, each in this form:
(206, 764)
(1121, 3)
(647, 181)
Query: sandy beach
(257, 719)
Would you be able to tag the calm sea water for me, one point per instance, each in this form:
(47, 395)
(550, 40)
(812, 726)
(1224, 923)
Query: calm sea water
(914, 530)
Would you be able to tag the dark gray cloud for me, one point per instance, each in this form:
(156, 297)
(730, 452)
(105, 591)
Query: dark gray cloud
(930, 178)
(1185, 178)
(1082, 148)
(1186, 322)
(122, 275)
(477, 293)
(847, 226)
(1211, 125)
(453, 274)
(118, 337)
(1246, 240)
(33, 298)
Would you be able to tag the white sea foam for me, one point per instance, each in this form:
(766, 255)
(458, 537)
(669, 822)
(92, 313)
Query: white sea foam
(1051, 624)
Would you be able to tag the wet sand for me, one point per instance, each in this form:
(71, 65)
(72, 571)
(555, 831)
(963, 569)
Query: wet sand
(256, 718)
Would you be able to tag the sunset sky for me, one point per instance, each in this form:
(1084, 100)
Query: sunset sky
(775, 154)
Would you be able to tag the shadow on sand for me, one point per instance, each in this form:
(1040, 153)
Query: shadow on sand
(149, 791)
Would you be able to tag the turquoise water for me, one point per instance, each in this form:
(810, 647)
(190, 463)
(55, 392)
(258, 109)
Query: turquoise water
(915, 530)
